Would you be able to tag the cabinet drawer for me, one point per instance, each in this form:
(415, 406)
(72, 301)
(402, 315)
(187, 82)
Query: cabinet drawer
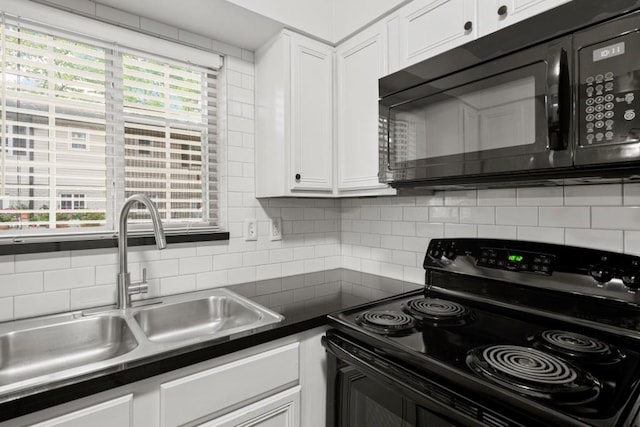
(116, 412)
(213, 390)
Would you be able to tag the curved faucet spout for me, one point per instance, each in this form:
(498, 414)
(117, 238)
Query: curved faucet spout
(124, 281)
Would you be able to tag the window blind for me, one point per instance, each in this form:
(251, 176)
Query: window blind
(86, 124)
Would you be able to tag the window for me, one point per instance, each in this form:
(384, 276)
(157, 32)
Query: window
(71, 201)
(86, 124)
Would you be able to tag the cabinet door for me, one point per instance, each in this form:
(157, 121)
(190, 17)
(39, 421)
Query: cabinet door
(497, 14)
(280, 410)
(430, 27)
(361, 61)
(311, 115)
(116, 412)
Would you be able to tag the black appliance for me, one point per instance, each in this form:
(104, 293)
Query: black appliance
(505, 333)
(553, 99)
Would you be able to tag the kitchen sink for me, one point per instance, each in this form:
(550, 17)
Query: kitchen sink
(60, 349)
(214, 316)
(44, 350)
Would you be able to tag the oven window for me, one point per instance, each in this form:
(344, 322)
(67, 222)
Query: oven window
(486, 118)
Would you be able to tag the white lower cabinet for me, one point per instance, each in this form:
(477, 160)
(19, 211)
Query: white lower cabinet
(276, 384)
(281, 410)
(214, 390)
(115, 412)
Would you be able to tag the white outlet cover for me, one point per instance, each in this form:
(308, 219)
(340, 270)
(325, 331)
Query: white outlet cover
(250, 229)
(276, 228)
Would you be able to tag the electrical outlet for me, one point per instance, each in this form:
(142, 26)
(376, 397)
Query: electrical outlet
(276, 228)
(250, 229)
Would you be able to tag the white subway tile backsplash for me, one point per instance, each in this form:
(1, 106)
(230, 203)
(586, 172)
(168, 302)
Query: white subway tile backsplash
(211, 279)
(21, 283)
(391, 242)
(460, 230)
(391, 213)
(164, 268)
(242, 275)
(6, 309)
(516, 215)
(403, 228)
(610, 240)
(94, 296)
(593, 195)
(405, 258)
(477, 215)
(268, 271)
(626, 218)
(191, 265)
(41, 304)
(56, 280)
(541, 234)
(178, 284)
(444, 214)
(497, 197)
(431, 230)
(460, 198)
(574, 217)
(7, 264)
(540, 196)
(43, 262)
(497, 231)
(417, 213)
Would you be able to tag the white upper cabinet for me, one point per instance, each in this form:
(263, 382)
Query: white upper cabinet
(497, 14)
(361, 61)
(294, 95)
(426, 28)
(311, 115)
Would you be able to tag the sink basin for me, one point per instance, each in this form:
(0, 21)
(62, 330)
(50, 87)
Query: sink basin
(38, 351)
(217, 315)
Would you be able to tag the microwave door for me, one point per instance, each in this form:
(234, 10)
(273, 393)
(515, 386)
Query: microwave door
(504, 117)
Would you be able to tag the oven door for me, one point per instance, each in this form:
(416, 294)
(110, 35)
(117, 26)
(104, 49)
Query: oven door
(507, 116)
(365, 389)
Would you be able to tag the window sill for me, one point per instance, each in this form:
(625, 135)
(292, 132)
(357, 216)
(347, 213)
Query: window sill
(109, 242)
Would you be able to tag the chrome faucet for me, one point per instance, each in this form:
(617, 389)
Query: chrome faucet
(125, 287)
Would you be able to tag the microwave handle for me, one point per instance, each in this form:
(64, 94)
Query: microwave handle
(558, 102)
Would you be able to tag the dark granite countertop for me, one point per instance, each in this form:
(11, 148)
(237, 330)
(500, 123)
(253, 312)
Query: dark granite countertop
(304, 300)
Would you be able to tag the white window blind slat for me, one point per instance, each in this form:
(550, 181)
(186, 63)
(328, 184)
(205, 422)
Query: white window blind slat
(85, 125)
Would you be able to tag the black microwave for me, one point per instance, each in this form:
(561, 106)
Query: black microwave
(553, 99)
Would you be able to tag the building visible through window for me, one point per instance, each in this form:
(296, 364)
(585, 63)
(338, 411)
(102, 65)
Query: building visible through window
(88, 124)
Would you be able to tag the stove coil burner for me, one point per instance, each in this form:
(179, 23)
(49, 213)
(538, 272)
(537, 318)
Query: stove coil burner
(386, 322)
(437, 311)
(577, 346)
(534, 373)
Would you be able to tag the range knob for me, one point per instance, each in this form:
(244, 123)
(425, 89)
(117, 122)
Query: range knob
(601, 273)
(631, 279)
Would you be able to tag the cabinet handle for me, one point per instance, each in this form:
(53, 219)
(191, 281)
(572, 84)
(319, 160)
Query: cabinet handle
(298, 177)
(502, 10)
(468, 26)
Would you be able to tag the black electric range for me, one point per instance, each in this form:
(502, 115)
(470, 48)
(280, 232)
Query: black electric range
(505, 333)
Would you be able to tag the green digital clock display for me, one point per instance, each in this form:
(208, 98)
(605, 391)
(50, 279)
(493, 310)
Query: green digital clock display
(516, 258)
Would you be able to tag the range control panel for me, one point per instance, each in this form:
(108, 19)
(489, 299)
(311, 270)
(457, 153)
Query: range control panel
(493, 257)
(515, 260)
(609, 97)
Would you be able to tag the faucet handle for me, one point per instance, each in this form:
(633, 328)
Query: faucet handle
(140, 287)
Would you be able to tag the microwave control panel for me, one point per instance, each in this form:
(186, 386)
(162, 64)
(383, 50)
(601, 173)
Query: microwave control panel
(609, 94)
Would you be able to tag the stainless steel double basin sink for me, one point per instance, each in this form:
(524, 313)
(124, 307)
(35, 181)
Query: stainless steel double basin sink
(54, 350)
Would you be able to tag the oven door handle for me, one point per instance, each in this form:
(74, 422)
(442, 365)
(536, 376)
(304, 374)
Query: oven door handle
(558, 100)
